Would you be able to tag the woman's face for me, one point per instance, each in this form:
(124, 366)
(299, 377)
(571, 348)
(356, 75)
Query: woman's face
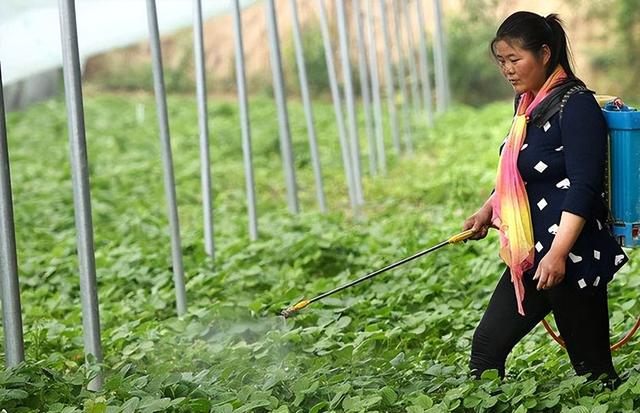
(524, 70)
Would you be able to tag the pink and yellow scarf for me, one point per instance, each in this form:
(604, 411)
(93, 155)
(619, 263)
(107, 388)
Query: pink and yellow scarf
(511, 213)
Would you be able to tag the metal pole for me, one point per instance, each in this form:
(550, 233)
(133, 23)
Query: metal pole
(337, 107)
(391, 93)
(244, 122)
(442, 101)
(364, 87)
(406, 124)
(375, 88)
(201, 86)
(424, 64)
(283, 114)
(351, 107)
(80, 183)
(167, 160)
(9, 286)
(413, 71)
(308, 110)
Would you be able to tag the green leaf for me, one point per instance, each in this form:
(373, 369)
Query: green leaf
(453, 405)
(318, 407)
(489, 402)
(549, 401)
(98, 405)
(388, 395)
(343, 322)
(341, 390)
(423, 401)
(471, 401)
(154, 405)
(491, 374)
(130, 405)
(199, 405)
(249, 407)
(397, 360)
(13, 394)
(521, 409)
(352, 404)
(371, 401)
(225, 408)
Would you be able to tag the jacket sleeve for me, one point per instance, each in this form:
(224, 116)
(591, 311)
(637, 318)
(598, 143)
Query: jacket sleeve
(584, 138)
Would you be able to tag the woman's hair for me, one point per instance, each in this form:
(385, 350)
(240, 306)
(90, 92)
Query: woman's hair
(531, 31)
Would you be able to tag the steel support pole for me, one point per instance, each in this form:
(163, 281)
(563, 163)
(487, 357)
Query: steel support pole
(375, 88)
(80, 182)
(391, 93)
(167, 160)
(337, 107)
(244, 122)
(349, 98)
(440, 61)
(365, 86)
(201, 90)
(424, 64)
(9, 285)
(281, 103)
(308, 109)
(402, 81)
(413, 70)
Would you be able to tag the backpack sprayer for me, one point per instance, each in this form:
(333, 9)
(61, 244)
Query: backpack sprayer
(622, 183)
(622, 188)
(623, 170)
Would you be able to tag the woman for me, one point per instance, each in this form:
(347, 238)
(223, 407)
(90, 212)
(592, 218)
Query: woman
(548, 206)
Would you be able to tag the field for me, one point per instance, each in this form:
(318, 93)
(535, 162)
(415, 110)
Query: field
(400, 343)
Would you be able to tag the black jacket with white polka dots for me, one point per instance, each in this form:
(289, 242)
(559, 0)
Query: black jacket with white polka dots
(562, 164)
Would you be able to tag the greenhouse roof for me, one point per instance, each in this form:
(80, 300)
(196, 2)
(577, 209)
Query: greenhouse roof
(30, 29)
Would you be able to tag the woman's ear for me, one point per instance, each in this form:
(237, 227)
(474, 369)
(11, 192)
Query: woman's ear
(546, 54)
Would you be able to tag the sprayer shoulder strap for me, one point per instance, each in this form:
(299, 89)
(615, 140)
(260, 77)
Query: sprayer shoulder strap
(555, 102)
(581, 89)
(567, 95)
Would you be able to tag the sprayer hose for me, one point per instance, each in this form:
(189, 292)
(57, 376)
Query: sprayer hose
(615, 346)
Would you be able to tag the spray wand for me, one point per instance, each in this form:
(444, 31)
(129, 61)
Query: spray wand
(287, 312)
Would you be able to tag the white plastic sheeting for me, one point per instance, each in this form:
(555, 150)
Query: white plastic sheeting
(30, 29)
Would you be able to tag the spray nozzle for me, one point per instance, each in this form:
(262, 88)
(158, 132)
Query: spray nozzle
(287, 312)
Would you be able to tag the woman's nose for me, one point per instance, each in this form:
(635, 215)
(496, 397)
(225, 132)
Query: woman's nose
(507, 69)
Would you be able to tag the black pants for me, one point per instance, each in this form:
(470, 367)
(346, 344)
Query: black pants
(582, 318)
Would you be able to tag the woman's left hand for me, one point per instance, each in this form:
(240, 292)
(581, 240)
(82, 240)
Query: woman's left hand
(550, 270)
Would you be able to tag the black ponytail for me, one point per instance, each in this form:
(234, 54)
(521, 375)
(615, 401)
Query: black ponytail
(560, 52)
(531, 31)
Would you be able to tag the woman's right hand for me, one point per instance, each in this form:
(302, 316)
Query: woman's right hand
(480, 222)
